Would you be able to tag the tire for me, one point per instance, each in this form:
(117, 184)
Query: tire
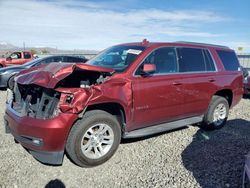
(216, 115)
(11, 82)
(1, 66)
(93, 139)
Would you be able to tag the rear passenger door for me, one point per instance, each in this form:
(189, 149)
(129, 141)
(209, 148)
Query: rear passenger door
(199, 77)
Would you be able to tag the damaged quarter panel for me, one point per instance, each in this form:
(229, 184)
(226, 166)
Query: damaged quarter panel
(117, 90)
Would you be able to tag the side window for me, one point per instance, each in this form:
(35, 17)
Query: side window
(16, 55)
(45, 61)
(209, 61)
(26, 55)
(229, 60)
(57, 59)
(191, 60)
(70, 59)
(164, 59)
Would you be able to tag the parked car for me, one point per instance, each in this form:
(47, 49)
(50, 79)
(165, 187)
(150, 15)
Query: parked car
(7, 74)
(247, 86)
(127, 91)
(246, 174)
(16, 58)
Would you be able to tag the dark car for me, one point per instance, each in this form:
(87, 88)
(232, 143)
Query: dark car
(7, 74)
(127, 91)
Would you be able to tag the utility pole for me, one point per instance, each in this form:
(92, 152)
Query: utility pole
(23, 46)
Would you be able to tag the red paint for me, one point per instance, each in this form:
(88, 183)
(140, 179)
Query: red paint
(145, 100)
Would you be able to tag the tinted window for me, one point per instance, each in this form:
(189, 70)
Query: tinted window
(26, 55)
(45, 61)
(73, 59)
(164, 59)
(191, 60)
(57, 59)
(229, 60)
(209, 61)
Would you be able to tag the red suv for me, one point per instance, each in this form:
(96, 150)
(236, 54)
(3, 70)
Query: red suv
(129, 90)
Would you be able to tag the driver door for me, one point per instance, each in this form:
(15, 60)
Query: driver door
(158, 97)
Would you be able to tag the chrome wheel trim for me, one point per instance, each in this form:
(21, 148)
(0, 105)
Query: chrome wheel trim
(97, 141)
(219, 114)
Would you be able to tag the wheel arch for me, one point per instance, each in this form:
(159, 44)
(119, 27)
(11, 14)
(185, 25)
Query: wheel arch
(113, 108)
(227, 94)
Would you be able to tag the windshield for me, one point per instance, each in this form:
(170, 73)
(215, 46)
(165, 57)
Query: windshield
(117, 57)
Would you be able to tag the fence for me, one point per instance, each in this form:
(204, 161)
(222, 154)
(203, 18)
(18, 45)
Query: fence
(244, 60)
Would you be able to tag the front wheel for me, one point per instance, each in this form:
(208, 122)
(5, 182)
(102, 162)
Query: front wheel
(217, 114)
(93, 139)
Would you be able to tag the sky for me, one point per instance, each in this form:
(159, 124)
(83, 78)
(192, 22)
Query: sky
(95, 25)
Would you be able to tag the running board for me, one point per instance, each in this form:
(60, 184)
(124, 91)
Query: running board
(162, 127)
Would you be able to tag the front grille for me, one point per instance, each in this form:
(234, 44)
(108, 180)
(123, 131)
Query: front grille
(35, 101)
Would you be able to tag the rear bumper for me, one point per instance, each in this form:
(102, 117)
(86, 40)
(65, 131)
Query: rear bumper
(44, 138)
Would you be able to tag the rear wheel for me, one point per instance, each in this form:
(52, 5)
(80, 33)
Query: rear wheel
(217, 114)
(1, 66)
(93, 139)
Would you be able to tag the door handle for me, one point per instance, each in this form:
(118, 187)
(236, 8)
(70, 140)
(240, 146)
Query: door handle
(211, 79)
(177, 83)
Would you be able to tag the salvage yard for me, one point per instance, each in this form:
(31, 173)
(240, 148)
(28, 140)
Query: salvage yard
(187, 157)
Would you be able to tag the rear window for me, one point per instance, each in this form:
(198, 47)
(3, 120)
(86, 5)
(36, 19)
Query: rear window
(26, 55)
(229, 60)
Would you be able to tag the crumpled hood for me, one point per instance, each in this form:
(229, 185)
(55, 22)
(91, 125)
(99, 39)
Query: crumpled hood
(49, 75)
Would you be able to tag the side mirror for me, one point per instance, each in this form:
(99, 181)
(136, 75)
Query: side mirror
(148, 69)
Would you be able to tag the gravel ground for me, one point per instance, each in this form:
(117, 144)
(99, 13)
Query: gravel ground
(188, 157)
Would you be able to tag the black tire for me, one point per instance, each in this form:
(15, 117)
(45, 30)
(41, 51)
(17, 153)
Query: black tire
(11, 82)
(81, 127)
(1, 66)
(208, 120)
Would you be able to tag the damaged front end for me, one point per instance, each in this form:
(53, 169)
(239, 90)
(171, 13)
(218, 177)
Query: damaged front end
(44, 93)
(35, 101)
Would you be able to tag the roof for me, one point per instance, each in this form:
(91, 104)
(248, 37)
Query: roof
(177, 43)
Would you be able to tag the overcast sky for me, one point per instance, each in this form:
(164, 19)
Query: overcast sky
(96, 24)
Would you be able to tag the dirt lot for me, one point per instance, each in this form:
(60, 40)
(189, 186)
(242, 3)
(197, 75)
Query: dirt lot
(188, 157)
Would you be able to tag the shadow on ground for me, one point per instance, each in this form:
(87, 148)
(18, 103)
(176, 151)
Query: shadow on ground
(55, 184)
(216, 158)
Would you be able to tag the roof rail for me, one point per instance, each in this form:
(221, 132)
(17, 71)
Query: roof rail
(205, 44)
